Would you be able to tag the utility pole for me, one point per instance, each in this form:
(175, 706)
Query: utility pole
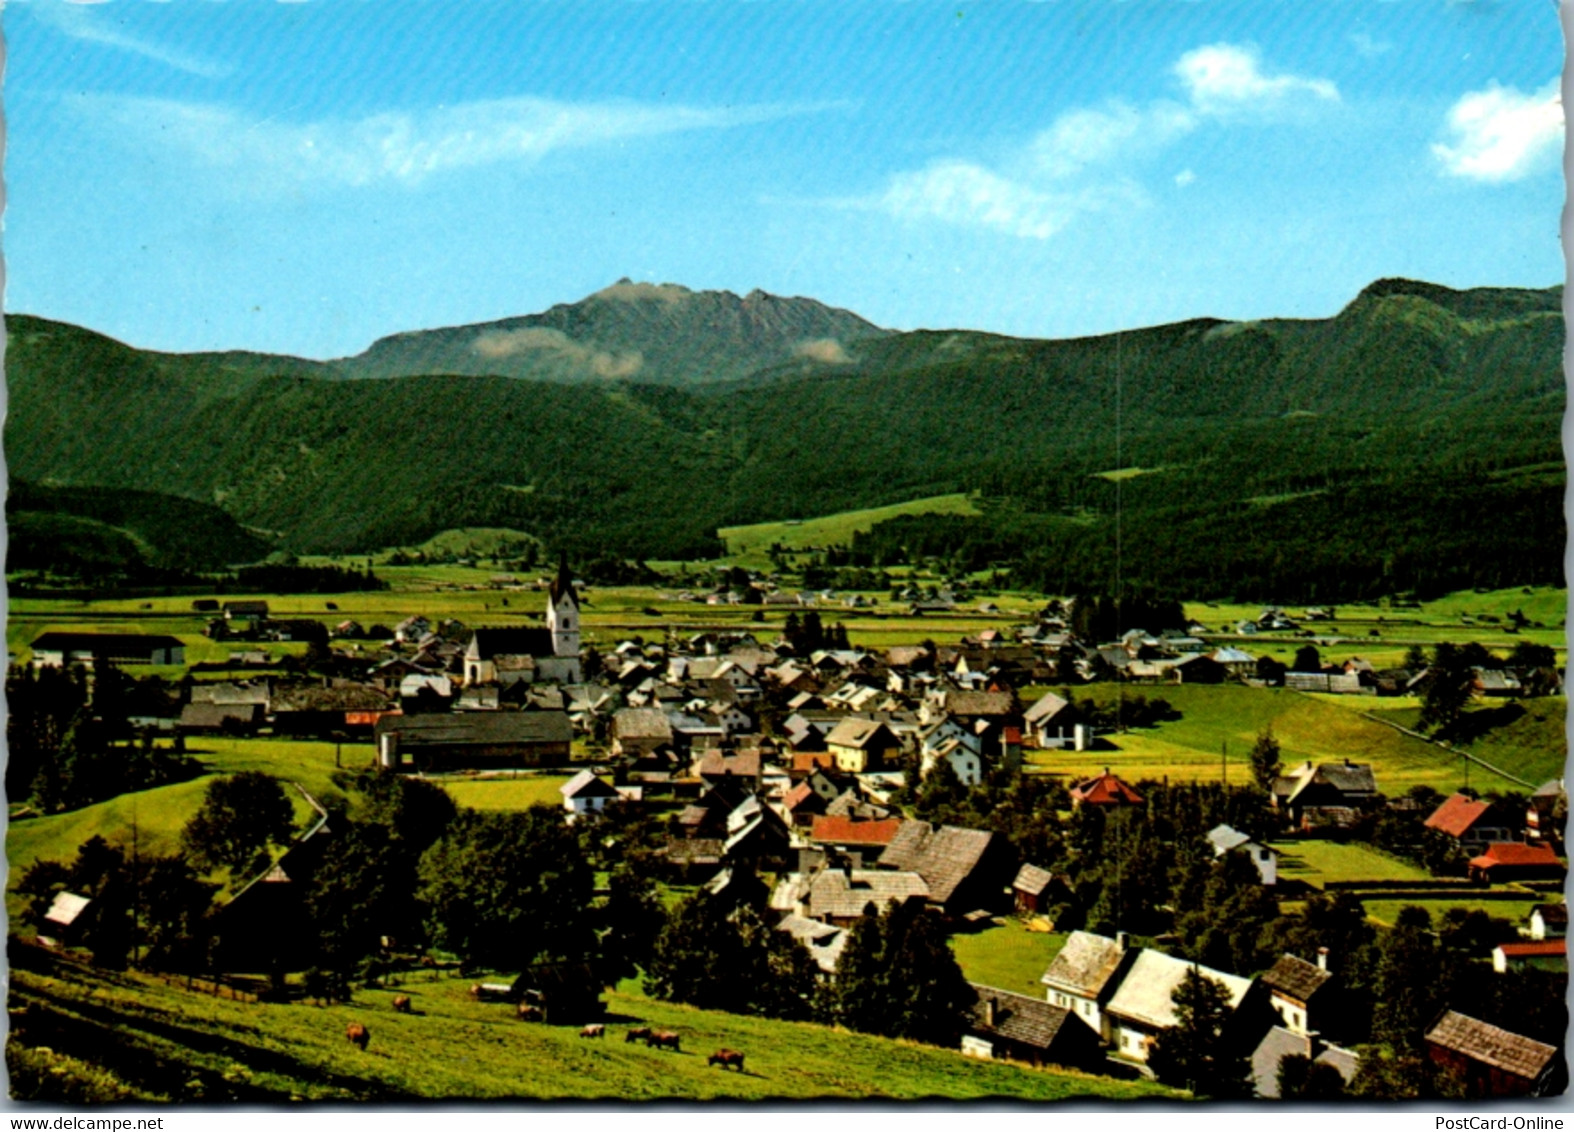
(136, 886)
(1224, 762)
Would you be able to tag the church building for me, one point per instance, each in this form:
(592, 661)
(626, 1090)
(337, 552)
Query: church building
(513, 655)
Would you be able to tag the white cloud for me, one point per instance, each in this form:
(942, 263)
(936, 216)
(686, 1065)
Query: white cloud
(1081, 162)
(1225, 77)
(404, 148)
(81, 20)
(964, 193)
(1499, 134)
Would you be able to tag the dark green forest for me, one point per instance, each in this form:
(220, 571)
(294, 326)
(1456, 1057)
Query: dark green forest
(1410, 443)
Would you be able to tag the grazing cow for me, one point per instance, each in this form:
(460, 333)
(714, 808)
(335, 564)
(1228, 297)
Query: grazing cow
(594, 1030)
(663, 1039)
(529, 1012)
(637, 1034)
(401, 1004)
(727, 1057)
(358, 1035)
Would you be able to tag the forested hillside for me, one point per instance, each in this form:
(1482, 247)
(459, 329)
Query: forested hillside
(1409, 442)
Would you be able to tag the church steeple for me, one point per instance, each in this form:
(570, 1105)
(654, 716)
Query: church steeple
(563, 612)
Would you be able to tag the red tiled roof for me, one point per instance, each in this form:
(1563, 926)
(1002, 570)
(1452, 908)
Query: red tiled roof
(1456, 815)
(810, 760)
(850, 831)
(1106, 790)
(1514, 853)
(1534, 950)
(797, 795)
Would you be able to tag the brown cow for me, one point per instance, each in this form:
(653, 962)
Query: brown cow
(358, 1035)
(529, 1012)
(726, 1057)
(594, 1030)
(637, 1034)
(663, 1039)
(401, 1004)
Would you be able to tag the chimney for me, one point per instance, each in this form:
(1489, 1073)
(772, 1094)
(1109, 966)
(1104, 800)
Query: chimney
(989, 1012)
(1322, 959)
(1122, 939)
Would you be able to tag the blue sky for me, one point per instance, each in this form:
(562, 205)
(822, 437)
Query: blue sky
(306, 177)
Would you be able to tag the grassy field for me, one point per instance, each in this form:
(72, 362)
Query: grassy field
(507, 793)
(1318, 862)
(1386, 912)
(167, 1042)
(750, 545)
(1229, 718)
(1008, 956)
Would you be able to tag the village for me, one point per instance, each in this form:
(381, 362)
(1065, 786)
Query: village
(829, 805)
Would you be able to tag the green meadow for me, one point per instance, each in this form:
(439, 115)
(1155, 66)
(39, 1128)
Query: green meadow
(750, 545)
(163, 1042)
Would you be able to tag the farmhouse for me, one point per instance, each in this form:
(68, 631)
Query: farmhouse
(1143, 1005)
(1547, 954)
(473, 740)
(586, 794)
(1494, 1062)
(1280, 1043)
(1002, 1024)
(1505, 861)
(1104, 790)
(1549, 921)
(65, 920)
(842, 896)
(860, 745)
(1292, 985)
(965, 869)
(59, 650)
(1053, 724)
(1226, 839)
(1084, 976)
(1326, 795)
(1471, 822)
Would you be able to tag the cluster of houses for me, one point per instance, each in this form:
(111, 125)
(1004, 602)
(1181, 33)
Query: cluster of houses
(683, 724)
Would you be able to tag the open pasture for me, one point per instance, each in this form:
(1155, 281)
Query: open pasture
(1007, 955)
(450, 1047)
(750, 545)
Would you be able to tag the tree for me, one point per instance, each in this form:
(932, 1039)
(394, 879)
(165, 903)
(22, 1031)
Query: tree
(1449, 689)
(240, 816)
(1307, 659)
(897, 977)
(1302, 1079)
(1265, 761)
(507, 889)
(173, 905)
(353, 897)
(633, 919)
(696, 957)
(1194, 1053)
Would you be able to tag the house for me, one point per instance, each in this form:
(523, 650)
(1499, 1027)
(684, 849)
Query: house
(473, 740)
(959, 756)
(1199, 669)
(322, 709)
(1280, 1043)
(264, 926)
(1505, 861)
(1003, 1024)
(60, 650)
(1547, 954)
(1473, 823)
(822, 941)
(965, 869)
(1294, 987)
(214, 719)
(586, 794)
(1084, 976)
(1325, 795)
(844, 896)
(860, 745)
(1549, 921)
(1033, 890)
(412, 629)
(64, 922)
(639, 731)
(863, 840)
(1546, 814)
(1104, 790)
(1493, 1061)
(1226, 839)
(1143, 1005)
(1053, 724)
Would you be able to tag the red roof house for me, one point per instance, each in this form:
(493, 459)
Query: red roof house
(1552, 953)
(1105, 790)
(872, 836)
(1514, 860)
(1471, 821)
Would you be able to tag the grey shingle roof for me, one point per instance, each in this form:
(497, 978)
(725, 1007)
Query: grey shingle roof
(1032, 879)
(835, 893)
(1018, 1018)
(1085, 964)
(944, 856)
(1491, 1045)
(479, 727)
(1295, 977)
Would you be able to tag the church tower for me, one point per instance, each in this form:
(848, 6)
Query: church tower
(563, 612)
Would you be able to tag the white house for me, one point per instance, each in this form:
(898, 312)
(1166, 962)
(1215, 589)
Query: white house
(963, 759)
(586, 794)
(1226, 839)
(1143, 1006)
